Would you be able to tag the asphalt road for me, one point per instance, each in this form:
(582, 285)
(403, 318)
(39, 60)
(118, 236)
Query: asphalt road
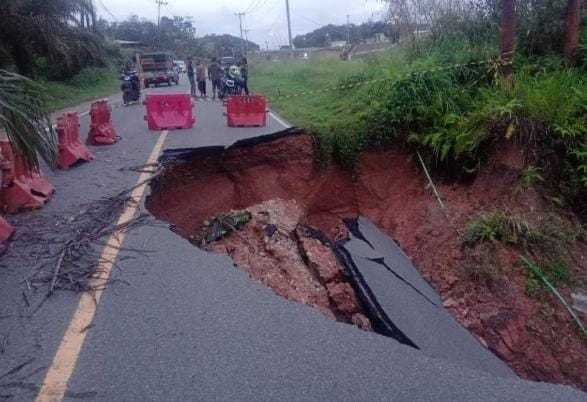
(188, 325)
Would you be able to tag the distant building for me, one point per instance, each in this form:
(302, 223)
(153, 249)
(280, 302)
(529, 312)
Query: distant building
(421, 33)
(338, 43)
(377, 38)
(128, 43)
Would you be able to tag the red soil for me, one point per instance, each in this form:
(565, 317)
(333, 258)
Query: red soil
(536, 337)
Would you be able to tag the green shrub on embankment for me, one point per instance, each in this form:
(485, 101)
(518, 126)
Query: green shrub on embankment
(453, 116)
(88, 84)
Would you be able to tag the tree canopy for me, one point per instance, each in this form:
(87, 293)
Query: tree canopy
(178, 36)
(61, 31)
(322, 36)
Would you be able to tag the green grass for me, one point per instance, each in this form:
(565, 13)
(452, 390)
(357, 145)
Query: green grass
(318, 112)
(88, 85)
(452, 116)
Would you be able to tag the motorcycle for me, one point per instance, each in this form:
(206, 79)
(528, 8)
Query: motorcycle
(131, 87)
(231, 83)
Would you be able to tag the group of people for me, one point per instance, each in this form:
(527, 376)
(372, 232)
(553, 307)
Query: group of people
(198, 73)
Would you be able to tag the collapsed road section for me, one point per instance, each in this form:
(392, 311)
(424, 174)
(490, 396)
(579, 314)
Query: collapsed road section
(270, 229)
(297, 227)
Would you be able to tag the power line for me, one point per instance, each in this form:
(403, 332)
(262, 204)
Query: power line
(253, 4)
(258, 7)
(311, 21)
(106, 9)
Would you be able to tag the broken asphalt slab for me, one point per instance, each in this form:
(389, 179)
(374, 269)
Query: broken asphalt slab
(193, 327)
(391, 284)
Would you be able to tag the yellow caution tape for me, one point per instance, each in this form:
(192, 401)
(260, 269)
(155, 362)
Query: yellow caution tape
(500, 62)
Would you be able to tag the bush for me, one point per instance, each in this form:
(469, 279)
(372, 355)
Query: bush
(499, 226)
(89, 77)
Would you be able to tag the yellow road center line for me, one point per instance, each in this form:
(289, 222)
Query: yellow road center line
(55, 383)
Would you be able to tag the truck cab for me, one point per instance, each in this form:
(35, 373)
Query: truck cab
(158, 68)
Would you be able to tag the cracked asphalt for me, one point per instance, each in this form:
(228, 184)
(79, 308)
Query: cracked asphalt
(188, 325)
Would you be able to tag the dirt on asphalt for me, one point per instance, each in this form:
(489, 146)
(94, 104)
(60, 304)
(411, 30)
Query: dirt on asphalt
(535, 336)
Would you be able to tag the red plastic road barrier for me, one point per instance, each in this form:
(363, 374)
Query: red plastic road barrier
(101, 130)
(6, 230)
(246, 111)
(169, 111)
(71, 149)
(22, 187)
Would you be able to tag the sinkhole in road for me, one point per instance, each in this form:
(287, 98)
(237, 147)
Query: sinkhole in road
(297, 215)
(298, 209)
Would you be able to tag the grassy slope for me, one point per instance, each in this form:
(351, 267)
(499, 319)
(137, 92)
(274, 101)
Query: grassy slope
(324, 112)
(450, 115)
(316, 111)
(88, 85)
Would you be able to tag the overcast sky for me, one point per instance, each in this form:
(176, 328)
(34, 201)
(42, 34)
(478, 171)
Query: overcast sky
(266, 19)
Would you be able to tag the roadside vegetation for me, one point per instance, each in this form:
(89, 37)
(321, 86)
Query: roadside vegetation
(89, 84)
(453, 116)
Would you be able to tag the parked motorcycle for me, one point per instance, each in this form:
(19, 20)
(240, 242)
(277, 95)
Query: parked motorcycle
(231, 82)
(131, 87)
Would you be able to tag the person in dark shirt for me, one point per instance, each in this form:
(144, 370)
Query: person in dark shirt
(214, 71)
(245, 74)
(191, 77)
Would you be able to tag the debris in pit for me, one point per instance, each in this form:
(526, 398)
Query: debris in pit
(222, 225)
(276, 250)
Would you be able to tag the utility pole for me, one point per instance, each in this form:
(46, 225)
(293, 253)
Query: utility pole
(291, 49)
(159, 4)
(246, 31)
(267, 45)
(348, 29)
(240, 21)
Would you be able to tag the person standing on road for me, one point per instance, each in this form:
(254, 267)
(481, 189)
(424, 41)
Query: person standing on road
(214, 70)
(191, 77)
(201, 77)
(245, 74)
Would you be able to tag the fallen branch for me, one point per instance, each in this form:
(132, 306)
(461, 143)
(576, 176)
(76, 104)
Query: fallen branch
(69, 244)
(56, 272)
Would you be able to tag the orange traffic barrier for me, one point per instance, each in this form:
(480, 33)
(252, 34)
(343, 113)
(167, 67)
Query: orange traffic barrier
(71, 150)
(101, 130)
(169, 111)
(246, 111)
(22, 187)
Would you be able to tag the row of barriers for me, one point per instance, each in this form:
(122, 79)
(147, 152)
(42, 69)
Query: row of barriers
(174, 111)
(25, 188)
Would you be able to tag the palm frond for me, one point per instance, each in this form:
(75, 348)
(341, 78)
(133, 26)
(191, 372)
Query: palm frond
(23, 116)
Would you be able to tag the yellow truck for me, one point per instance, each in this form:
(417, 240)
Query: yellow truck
(158, 68)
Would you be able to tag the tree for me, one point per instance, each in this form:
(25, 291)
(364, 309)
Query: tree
(506, 39)
(572, 30)
(23, 116)
(60, 30)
